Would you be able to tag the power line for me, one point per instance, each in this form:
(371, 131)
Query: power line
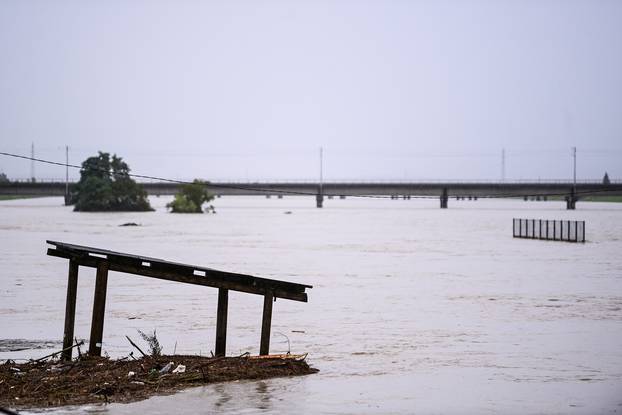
(297, 193)
(163, 179)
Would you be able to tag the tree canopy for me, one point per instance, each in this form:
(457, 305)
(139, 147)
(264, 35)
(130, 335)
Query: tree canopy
(191, 197)
(105, 185)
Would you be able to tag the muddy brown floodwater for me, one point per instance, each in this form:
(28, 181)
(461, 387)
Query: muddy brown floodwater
(413, 308)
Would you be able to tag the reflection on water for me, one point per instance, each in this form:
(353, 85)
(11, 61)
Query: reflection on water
(263, 393)
(223, 395)
(414, 309)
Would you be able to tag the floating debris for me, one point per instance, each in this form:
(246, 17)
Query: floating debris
(41, 384)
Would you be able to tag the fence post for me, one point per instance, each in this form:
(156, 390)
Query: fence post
(533, 229)
(547, 229)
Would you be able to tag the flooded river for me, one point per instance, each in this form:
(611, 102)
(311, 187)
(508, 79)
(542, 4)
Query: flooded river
(413, 309)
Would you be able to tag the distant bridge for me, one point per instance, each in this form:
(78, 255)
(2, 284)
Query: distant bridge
(442, 190)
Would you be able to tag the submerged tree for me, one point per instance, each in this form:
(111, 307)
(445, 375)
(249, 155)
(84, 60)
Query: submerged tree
(105, 185)
(191, 197)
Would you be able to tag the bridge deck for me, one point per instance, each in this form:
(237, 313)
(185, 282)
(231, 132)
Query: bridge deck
(477, 189)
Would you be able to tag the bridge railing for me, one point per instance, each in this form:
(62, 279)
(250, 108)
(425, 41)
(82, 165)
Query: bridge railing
(342, 181)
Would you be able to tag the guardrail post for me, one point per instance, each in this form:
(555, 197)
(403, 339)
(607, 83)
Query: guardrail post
(70, 309)
(221, 322)
(99, 309)
(266, 323)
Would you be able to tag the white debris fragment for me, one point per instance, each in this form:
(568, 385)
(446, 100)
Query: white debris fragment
(180, 369)
(167, 368)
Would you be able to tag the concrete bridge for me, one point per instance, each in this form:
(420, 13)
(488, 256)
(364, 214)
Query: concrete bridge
(443, 190)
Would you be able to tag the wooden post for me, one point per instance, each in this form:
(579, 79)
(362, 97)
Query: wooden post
(70, 309)
(99, 308)
(221, 322)
(266, 322)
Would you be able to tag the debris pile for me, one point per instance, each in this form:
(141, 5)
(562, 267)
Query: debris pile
(39, 384)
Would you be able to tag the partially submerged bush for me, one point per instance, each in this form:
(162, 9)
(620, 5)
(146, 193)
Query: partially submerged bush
(191, 198)
(155, 349)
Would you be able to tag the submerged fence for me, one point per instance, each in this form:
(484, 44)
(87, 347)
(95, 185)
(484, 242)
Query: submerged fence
(552, 230)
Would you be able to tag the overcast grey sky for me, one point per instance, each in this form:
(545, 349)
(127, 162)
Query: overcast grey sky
(251, 89)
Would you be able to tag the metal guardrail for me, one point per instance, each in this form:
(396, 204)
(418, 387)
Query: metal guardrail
(550, 230)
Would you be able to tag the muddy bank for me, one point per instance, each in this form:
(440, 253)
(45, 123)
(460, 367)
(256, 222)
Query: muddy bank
(97, 380)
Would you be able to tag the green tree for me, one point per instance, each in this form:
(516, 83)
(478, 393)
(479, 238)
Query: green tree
(191, 197)
(3, 178)
(105, 185)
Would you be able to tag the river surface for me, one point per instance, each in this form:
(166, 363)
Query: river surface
(413, 309)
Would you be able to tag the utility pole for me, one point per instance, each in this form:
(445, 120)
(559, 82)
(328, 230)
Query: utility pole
(503, 164)
(572, 199)
(319, 197)
(321, 166)
(32, 162)
(66, 175)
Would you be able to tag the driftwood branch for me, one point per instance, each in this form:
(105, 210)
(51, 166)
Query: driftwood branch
(136, 346)
(59, 352)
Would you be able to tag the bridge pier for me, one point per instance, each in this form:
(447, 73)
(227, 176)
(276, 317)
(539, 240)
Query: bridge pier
(571, 201)
(319, 200)
(444, 198)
